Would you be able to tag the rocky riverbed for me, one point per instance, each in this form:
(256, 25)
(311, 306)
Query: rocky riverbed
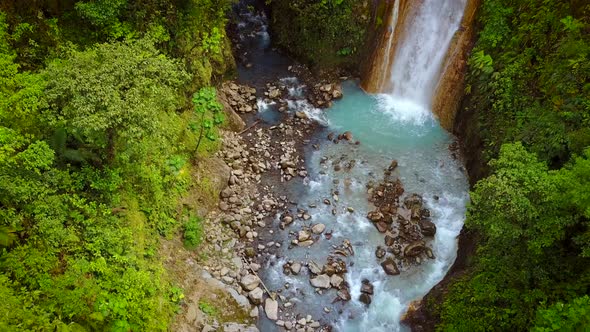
(321, 224)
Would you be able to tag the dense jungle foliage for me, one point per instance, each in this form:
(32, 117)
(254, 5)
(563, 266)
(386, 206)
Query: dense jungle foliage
(529, 85)
(97, 134)
(326, 33)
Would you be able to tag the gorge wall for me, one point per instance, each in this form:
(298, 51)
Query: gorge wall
(391, 21)
(449, 90)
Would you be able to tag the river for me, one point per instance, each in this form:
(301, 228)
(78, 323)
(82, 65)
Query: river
(394, 125)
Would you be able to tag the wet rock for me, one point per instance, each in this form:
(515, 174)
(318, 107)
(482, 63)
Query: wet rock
(413, 201)
(303, 236)
(301, 115)
(286, 221)
(343, 295)
(314, 267)
(347, 135)
(295, 268)
(321, 281)
(429, 253)
(380, 252)
(249, 282)
(306, 243)
(367, 287)
(390, 267)
(271, 308)
(389, 239)
(336, 280)
(392, 166)
(414, 249)
(365, 298)
(382, 227)
(254, 312)
(375, 216)
(318, 228)
(427, 227)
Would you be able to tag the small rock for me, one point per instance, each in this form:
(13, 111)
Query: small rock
(321, 281)
(295, 268)
(314, 267)
(301, 115)
(390, 267)
(256, 295)
(249, 282)
(271, 308)
(318, 228)
(303, 236)
(380, 252)
(254, 312)
(336, 280)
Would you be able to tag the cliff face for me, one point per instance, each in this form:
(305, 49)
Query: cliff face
(389, 21)
(449, 90)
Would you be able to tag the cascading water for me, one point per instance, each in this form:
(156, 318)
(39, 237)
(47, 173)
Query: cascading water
(419, 56)
(396, 124)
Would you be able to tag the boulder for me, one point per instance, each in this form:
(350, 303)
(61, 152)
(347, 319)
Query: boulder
(271, 308)
(347, 135)
(249, 282)
(367, 287)
(414, 249)
(365, 298)
(427, 227)
(306, 243)
(390, 267)
(301, 115)
(413, 200)
(321, 281)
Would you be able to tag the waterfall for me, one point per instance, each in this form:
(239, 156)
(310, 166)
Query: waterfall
(419, 56)
(407, 63)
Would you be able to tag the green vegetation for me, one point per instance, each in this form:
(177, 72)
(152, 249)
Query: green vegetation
(193, 232)
(529, 84)
(208, 308)
(327, 34)
(96, 145)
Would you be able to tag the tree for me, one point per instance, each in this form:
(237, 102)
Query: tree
(113, 91)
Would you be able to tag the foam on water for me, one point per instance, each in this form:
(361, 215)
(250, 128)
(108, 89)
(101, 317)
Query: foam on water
(403, 110)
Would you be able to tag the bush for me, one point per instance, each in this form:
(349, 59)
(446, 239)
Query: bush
(193, 232)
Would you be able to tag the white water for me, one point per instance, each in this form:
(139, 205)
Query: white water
(419, 56)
